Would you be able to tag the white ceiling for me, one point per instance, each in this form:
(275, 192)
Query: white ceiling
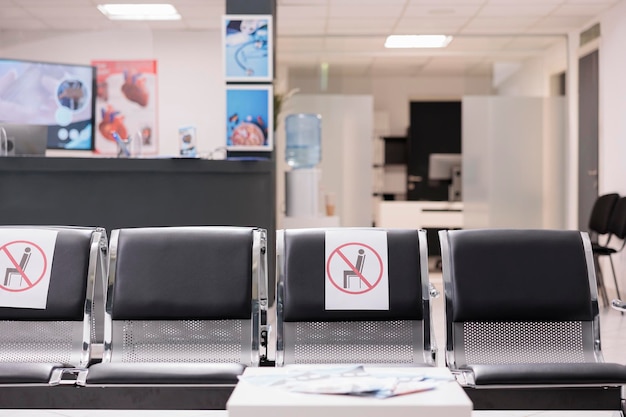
(349, 34)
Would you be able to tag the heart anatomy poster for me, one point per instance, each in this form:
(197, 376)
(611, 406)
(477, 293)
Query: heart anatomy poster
(126, 106)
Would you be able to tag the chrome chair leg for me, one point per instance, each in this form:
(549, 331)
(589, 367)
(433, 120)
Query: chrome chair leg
(615, 278)
(600, 282)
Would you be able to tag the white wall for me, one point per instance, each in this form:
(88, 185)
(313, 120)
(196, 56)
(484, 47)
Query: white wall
(612, 175)
(533, 76)
(189, 66)
(392, 95)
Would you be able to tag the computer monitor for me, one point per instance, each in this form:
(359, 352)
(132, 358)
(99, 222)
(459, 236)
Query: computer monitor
(23, 140)
(58, 96)
(441, 165)
(447, 167)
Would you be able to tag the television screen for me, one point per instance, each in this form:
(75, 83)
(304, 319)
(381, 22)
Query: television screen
(57, 96)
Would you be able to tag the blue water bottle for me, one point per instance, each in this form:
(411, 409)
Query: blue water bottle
(304, 149)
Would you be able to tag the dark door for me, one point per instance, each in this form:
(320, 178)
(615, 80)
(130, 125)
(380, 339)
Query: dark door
(435, 128)
(587, 136)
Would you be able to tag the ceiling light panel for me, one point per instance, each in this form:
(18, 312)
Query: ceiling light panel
(417, 41)
(131, 11)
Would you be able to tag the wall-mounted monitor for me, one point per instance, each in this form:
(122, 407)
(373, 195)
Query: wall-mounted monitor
(57, 96)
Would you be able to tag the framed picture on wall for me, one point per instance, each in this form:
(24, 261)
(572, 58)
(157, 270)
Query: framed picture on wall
(247, 43)
(249, 117)
(126, 103)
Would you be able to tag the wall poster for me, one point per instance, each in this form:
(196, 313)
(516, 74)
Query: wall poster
(249, 117)
(126, 104)
(248, 47)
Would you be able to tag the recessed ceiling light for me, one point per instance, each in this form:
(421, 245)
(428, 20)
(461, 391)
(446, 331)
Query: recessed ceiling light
(139, 11)
(417, 41)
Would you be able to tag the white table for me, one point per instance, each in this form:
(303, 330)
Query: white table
(420, 214)
(249, 400)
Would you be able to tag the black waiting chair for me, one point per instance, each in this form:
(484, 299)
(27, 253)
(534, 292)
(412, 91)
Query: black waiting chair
(183, 315)
(600, 225)
(46, 304)
(316, 275)
(600, 216)
(617, 229)
(522, 324)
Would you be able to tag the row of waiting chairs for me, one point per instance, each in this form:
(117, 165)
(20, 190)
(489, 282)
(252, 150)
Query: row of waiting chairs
(188, 307)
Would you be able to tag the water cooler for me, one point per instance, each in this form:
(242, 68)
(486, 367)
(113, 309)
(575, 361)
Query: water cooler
(303, 154)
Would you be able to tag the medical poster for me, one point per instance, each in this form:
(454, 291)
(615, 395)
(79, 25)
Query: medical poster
(249, 117)
(247, 47)
(126, 104)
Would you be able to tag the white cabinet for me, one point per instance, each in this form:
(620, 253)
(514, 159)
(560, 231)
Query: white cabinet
(420, 214)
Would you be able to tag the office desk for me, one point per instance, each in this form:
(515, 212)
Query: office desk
(248, 400)
(421, 214)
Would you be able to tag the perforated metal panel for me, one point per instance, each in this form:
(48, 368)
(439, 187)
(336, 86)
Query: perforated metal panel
(523, 342)
(40, 341)
(380, 342)
(180, 341)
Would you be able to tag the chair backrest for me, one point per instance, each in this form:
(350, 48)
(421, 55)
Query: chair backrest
(61, 329)
(601, 213)
(617, 223)
(519, 296)
(313, 266)
(185, 294)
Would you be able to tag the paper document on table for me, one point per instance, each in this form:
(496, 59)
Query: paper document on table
(355, 380)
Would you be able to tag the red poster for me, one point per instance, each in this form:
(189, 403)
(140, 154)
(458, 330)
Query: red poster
(126, 104)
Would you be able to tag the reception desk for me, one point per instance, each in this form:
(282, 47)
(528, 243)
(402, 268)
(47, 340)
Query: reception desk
(114, 193)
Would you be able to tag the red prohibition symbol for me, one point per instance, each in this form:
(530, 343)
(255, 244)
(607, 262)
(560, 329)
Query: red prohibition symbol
(10, 250)
(354, 269)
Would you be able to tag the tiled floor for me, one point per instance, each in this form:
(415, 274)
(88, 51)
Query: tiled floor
(613, 333)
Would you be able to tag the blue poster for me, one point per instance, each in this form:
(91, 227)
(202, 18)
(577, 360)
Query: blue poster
(249, 117)
(247, 48)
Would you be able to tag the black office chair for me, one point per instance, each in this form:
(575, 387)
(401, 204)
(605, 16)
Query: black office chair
(600, 215)
(616, 228)
(315, 329)
(600, 225)
(47, 344)
(183, 310)
(522, 323)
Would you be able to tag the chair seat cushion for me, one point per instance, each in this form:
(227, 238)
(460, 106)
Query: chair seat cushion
(27, 373)
(550, 374)
(164, 373)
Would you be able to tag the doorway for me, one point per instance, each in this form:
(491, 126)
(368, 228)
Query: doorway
(587, 136)
(435, 128)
